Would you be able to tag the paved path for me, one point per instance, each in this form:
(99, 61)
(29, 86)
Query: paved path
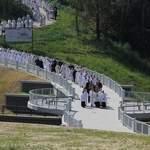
(96, 118)
(36, 24)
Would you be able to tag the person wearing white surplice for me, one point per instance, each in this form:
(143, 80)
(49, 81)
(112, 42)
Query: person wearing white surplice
(84, 98)
(67, 73)
(63, 70)
(103, 99)
(92, 94)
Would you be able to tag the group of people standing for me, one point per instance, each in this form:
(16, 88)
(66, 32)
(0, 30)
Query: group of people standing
(94, 98)
(35, 5)
(21, 22)
(27, 21)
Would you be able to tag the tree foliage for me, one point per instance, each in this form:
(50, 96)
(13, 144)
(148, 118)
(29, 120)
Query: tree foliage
(122, 20)
(8, 9)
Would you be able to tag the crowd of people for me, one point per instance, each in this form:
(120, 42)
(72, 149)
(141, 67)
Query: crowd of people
(27, 21)
(92, 87)
(35, 5)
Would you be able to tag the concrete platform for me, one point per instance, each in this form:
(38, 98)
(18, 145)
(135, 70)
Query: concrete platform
(97, 118)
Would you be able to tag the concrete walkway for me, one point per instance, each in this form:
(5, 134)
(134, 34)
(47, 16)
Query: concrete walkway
(97, 118)
(36, 24)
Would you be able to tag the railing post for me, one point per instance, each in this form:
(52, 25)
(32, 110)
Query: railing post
(27, 67)
(122, 94)
(5, 61)
(45, 74)
(133, 124)
(80, 124)
(37, 70)
(16, 64)
(53, 77)
(149, 129)
(102, 79)
(123, 119)
(70, 103)
(109, 83)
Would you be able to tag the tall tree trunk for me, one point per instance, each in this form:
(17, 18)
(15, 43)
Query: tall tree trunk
(77, 23)
(4, 8)
(122, 22)
(142, 30)
(97, 21)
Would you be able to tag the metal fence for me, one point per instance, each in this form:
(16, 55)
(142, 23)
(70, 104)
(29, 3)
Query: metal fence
(56, 78)
(43, 97)
(132, 123)
(69, 119)
(48, 98)
(137, 96)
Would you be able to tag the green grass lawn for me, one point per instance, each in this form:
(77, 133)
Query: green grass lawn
(44, 137)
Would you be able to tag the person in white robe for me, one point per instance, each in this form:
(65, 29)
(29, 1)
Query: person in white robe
(41, 21)
(103, 99)
(80, 79)
(57, 68)
(47, 14)
(92, 94)
(84, 98)
(63, 70)
(71, 74)
(31, 23)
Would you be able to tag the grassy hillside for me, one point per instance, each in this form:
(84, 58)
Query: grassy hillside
(105, 56)
(9, 81)
(43, 137)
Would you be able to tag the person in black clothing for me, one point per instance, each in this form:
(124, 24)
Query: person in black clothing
(37, 62)
(98, 85)
(71, 66)
(55, 12)
(74, 74)
(60, 63)
(53, 66)
(87, 86)
(41, 64)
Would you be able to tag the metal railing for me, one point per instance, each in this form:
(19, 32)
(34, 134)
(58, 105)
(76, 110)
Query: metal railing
(68, 118)
(56, 78)
(132, 123)
(48, 98)
(49, 102)
(137, 96)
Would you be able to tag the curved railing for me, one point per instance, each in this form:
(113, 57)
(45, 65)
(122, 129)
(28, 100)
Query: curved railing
(48, 100)
(130, 122)
(108, 82)
(56, 79)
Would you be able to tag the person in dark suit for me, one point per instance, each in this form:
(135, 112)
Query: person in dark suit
(37, 62)
(74, 74)
(55, 12)
(41, 64)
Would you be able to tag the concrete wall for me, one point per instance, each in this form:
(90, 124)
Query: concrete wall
(128, 87)
(27, 85)
(31, 119)
(16, 99)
